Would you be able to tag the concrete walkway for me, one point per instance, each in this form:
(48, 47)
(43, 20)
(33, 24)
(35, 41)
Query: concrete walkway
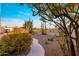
(36, 49)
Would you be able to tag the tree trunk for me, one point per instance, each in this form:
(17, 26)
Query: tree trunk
(45, 28)
(78, 47)
(42, 28)
(72, 48)
(77, 40)
(71, 45)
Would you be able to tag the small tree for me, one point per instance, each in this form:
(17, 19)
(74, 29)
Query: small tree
(61, 15)
(43, 26)
(29, 26)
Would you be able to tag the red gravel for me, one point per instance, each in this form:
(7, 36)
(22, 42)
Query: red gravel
(52, 48)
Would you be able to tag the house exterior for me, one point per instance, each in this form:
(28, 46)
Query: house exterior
(4, 29)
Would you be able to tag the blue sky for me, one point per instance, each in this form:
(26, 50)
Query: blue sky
(13, 14)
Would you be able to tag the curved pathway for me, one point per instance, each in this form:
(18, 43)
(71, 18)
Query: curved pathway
(36, 49)
(52, 48)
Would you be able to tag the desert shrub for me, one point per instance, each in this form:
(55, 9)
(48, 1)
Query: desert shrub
(15, 43)
(46, 42)
(50, 39)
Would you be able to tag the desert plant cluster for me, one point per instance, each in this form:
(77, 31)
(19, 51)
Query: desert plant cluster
(15, 43)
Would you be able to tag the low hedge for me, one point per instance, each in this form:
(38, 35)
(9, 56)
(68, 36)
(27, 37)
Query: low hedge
(16, 43)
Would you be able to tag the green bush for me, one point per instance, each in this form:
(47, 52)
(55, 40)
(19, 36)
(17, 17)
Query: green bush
(15, 43)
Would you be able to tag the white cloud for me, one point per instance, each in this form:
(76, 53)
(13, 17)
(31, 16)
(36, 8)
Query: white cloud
(12, 22)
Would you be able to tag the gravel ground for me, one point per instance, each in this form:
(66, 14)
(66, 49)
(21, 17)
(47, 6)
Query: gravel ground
(52, 48)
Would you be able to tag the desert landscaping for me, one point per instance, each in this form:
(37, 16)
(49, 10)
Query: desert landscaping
(43, 29)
